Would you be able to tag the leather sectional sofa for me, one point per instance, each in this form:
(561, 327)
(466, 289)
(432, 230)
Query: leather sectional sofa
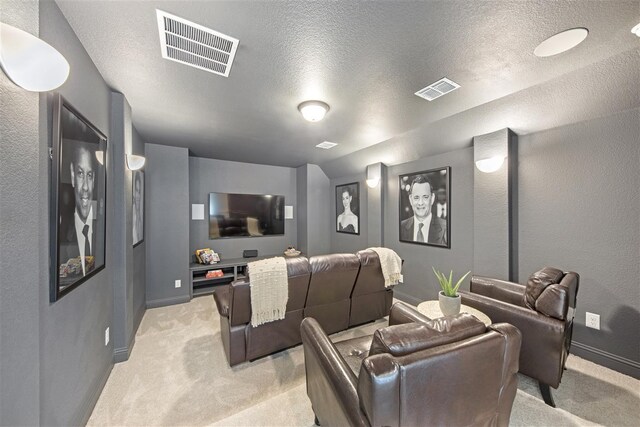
(338, 290)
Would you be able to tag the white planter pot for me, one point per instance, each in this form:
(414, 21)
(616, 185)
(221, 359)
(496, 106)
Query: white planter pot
(449, 305)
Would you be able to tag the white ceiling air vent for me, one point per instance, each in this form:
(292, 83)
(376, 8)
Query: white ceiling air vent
(326, 145)
(437, 89)
(194, 45)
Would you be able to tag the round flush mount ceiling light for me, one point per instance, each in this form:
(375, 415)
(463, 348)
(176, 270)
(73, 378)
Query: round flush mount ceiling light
(636, 30)
(30, 62)
(561, 42)
(313, 111)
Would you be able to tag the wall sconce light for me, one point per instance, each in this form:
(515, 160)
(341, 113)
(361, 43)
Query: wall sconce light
(100, 156)
(373, 176)
(135, 162)
(313, 111)
(30, 62)
(491, 164)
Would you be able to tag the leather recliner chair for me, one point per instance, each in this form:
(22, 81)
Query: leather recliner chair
(448, 371)
(543, 311)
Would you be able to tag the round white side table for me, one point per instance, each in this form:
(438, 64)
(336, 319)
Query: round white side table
(431, 309)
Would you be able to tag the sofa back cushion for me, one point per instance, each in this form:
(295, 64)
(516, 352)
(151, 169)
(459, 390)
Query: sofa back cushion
(538, 282)
(370, 279)
(399, 340)
(332, 278)
(299, 274)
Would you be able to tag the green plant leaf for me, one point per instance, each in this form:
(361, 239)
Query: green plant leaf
(455, 289)
(446, 283)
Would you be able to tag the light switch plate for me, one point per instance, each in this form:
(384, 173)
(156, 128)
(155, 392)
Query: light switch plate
(178, 283)
(106, 336)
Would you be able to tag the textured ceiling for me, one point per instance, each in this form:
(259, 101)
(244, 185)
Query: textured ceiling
(365, 59)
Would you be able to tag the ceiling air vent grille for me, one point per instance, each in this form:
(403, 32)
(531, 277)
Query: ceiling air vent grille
(437, 89)
(194, 45)
(326, 145)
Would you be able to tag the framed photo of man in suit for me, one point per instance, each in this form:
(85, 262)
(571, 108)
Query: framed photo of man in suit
(425, 208)
(78, 199)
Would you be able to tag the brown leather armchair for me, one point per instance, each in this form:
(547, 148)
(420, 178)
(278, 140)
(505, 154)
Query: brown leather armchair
(448, 371)
(542, 310)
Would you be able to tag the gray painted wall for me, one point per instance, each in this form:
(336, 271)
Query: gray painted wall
(419, 281)
(319, 216)
(343, 242)
(167, 224)
(580, 210)
(121, 207)
(21, 203)
(301, 214)
(376, 198)
(491, 208)
(74, 362)
(209, 175)
(139, 255)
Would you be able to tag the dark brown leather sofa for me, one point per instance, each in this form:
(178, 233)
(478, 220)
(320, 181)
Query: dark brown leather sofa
(339, 290)
(542, 310)
(448, 371)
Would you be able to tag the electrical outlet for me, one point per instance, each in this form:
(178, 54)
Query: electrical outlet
(106, 336)
(178, 283)
(592, 321)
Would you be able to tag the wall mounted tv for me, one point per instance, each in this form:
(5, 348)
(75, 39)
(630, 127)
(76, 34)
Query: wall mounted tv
(245, 215)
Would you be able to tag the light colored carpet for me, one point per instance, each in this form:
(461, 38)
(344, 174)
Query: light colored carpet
(177, 375)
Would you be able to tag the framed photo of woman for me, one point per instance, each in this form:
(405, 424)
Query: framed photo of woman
(348, 208)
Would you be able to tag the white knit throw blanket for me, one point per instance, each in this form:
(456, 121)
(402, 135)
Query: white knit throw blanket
(391, 265)
(269, 290)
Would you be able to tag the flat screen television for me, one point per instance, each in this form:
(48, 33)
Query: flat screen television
(245, 215)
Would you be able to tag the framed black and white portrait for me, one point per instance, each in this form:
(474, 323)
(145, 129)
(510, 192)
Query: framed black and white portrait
(78, 199)
(348, 208)
(425, 207)
(137, 206)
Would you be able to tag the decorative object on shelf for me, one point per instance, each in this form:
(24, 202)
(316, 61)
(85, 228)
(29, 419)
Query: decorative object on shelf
(138, 207)
(211, 274)
(291, 251)
(207, 256)
(250, 253)
(348, 208)
(448, 297)
(425, 207)
(78, 194)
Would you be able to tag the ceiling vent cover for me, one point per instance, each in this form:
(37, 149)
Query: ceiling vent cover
(194, 45)
(437, 89)
(326, 145)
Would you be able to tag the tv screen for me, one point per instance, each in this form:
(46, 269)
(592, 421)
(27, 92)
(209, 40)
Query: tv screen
(245, 215)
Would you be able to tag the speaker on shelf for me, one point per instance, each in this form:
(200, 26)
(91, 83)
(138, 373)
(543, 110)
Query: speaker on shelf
(250, 253)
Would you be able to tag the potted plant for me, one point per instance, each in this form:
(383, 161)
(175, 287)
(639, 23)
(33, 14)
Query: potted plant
(448, 297)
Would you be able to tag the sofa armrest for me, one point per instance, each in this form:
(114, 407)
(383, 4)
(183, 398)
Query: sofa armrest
(331, 385)
(542, 354)
(239, 302)
(502, 290)
(403, 313)
(221, 298)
